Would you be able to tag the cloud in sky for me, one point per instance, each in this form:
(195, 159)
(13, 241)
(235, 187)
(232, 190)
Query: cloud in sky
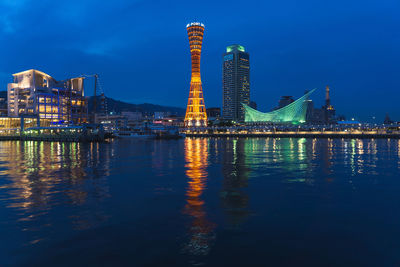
(9, 10)
(103, 47)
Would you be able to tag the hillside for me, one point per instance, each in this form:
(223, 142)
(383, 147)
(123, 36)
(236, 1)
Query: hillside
(118, 106)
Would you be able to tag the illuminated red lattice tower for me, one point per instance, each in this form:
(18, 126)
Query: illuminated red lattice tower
(196, 110)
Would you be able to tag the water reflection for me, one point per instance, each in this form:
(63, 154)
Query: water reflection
(235, 156)
(35, 177)
(51, 191)
(298, 160)
(201, 229)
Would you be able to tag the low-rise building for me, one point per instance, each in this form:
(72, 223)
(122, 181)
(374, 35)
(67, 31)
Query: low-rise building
(161, 115)
(284, 101)
(33, 92)
(213, 113)
(132, 115)
(111, 122)
(170, 121)
(3, 104)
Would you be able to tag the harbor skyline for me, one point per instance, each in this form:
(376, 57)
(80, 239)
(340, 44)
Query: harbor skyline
(212, 133)
(294, 48)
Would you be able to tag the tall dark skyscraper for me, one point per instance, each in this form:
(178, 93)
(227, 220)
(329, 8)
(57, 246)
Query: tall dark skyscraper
(235, 83)
(329, 110)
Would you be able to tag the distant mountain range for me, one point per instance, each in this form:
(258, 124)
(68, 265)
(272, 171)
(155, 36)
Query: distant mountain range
(119, 106)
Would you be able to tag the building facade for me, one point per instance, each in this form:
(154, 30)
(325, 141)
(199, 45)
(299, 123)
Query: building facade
(284, 101)
(132, 115)
(330, 112)
(214, 113)
(3, 104)
(235, 83)
(253, 105)
(161, 115)
(35, 93)
(324, 115)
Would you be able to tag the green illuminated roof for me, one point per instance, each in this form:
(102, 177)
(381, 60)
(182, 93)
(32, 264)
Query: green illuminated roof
(235, 47)
(293, 113)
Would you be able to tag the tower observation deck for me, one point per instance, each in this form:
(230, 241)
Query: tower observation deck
(196, 110)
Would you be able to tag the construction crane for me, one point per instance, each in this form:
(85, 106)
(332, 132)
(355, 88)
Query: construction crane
(103, 103)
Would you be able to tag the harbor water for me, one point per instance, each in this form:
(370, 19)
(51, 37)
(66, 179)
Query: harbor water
(201, 201)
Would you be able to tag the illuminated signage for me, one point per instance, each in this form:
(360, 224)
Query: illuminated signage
(195, 24)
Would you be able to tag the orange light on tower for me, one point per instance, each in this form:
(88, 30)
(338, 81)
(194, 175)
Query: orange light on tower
(196, 110)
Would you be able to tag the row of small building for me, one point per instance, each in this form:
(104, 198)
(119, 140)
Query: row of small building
(34, 98)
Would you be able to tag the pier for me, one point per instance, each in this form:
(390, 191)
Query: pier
(296, 132)
(297, 135)
(82, 133)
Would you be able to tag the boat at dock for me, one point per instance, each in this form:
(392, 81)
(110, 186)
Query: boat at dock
(167, 132)
(135, 133)
(151, 132)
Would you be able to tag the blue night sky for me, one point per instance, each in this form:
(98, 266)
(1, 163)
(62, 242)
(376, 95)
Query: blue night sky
(141, 52)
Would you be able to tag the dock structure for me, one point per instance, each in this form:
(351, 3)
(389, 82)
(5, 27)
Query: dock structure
(82, 133)
(299, 134)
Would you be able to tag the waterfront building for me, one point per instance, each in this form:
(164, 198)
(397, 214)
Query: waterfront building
(328, 108)
(214, 113)
(134, 118)
(196, 110)
(235, 83)
(158, 115)
(36, 93)
(324, 115)
(111, 122)
(284, 101)
(8, 124)
(170, 121)
(388, 120)
(3, 104)
(293, 113)
(132, 115)
(253, 105)
(310, 109)
(318, 116)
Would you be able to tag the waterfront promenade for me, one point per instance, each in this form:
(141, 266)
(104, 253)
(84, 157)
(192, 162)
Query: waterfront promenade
(75, 134)
(86, 133)
(296, 132)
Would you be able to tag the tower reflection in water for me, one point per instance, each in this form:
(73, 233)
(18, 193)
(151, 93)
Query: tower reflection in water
(235, 170)
(200, 230)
